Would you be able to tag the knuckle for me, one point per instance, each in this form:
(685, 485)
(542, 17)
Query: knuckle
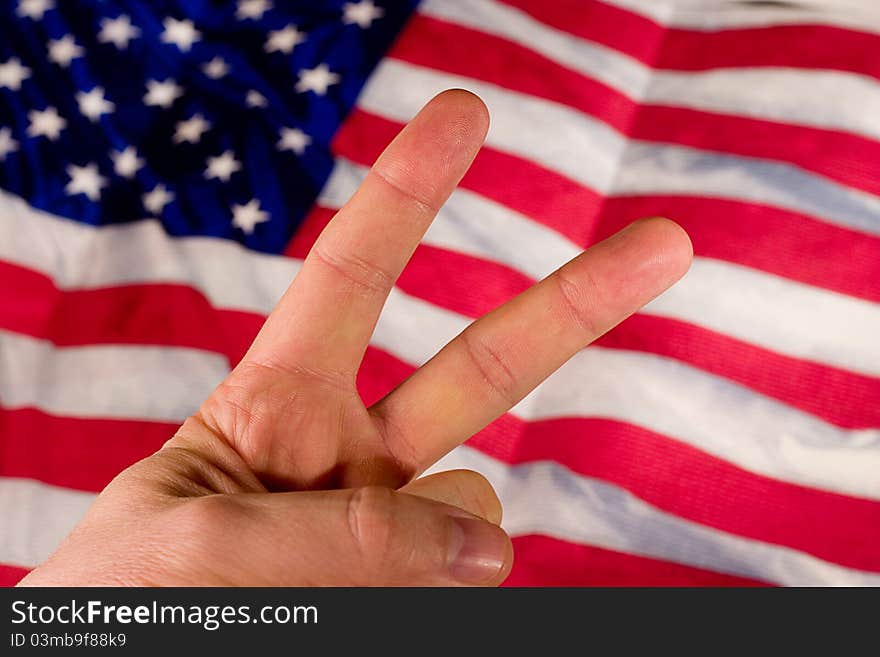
(493, 366)
(578, 299)
(406, 182)
(364, 275)
(397, 442)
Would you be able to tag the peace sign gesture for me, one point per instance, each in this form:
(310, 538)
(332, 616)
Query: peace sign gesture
(285, 477)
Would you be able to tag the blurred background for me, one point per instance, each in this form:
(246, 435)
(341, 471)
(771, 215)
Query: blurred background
(165, 166)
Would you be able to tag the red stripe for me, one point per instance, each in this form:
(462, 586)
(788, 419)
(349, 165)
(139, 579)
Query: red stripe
(436, 44)
(778, 241)
(11, 575)
(637, 36)
(80, 453)
(675, 477)
(155, 313)
(546, 561)
(797, 46)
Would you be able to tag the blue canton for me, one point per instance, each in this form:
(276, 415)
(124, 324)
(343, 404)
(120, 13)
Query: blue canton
(214, 118)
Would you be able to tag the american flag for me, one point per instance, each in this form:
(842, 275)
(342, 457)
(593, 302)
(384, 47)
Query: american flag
(166, 165)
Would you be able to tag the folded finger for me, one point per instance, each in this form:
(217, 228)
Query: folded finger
(465, 489)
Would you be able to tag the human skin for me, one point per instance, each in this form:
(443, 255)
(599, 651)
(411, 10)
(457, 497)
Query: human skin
(284, 477)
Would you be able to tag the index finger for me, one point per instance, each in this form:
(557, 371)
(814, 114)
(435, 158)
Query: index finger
(325, 319)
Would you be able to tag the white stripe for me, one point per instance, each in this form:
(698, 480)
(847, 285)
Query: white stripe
(860, 15)
(137, 382)
(79, 256)
(545, 498)
(592, 154)
(804, 96)
(665, 396)
(35, 518)
(774, 312)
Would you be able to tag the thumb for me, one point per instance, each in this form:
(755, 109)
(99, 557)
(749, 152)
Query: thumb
(365, 537)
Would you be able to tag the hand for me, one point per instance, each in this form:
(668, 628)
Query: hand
(284, 477)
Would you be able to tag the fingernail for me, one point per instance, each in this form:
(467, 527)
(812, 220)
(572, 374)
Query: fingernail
(477, 550)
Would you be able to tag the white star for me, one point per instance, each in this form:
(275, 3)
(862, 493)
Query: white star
(34, 8)
(93, 104)
(45, 123)
(249, 215)
(252, 9)
(156, 200)
(7, 143)
(118, 31)
(222, 167)
(182, 34)
(191, 130)
(126, 163)
(293, 139)
(284, 40)
(255, 99)
(85, 180)
(216, 68)
(162, 94)
(362, 13)
(316, 79)
(12, 73)
(64, 50)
